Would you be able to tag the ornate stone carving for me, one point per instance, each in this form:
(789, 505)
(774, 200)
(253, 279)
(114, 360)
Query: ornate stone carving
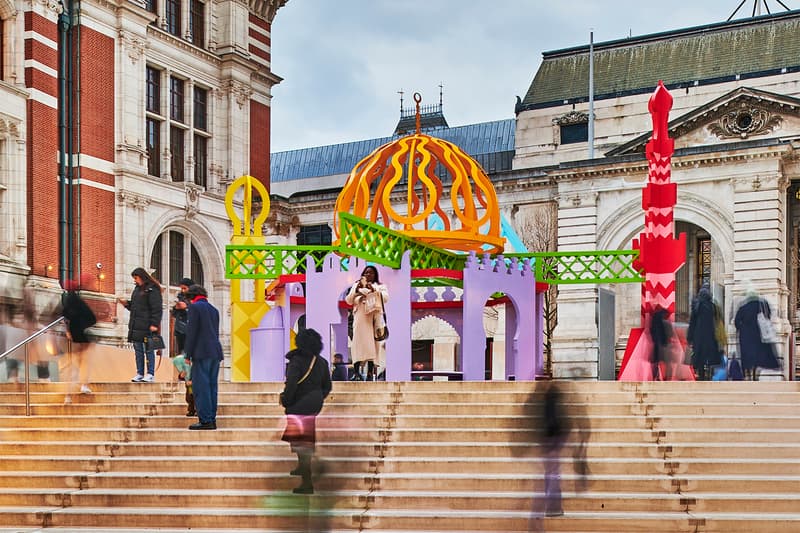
(50, 5)
(134, 44)
(238, 90)
(193, 193)
(133, 200)
(745, 121)
(10, 128)
(573, 117)
(265, 9)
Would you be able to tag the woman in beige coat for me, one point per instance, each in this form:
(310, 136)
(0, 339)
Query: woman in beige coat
(364, 347)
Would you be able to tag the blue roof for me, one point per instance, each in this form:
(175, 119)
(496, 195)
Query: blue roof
(476, 139)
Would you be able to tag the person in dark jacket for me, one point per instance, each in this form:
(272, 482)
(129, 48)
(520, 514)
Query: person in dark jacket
(204, 352)
(340, 372)
(180, 315)
(78, 316)
(754, 353)
(702, 334)
(145, 308)
(308, 383)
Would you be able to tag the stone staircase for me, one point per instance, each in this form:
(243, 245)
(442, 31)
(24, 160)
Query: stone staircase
(420, 456)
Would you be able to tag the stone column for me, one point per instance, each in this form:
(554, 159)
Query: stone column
(760, 248)
(575, 348)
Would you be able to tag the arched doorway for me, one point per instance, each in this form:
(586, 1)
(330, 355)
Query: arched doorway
(704, 266)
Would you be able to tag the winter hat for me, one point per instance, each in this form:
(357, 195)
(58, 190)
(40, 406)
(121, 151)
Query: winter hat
(309, 341)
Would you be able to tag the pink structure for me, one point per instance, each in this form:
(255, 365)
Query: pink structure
(660, 254)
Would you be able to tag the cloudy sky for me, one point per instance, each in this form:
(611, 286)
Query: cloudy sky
(344, 61)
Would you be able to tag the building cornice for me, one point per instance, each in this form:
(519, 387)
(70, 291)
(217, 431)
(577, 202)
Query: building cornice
(182, 44)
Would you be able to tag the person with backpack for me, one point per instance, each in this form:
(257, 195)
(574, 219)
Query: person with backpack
(180, 314)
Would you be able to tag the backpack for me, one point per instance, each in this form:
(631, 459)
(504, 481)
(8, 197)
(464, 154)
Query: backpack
(735, 370)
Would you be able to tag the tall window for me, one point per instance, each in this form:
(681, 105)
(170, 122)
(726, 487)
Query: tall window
(175, 253)
(150, 5)
(176, 99)
(703, 262)
(201, 160)
(154, 90)
(176, 137)
(197, 22)
(153, 147)
(182, 125)
(200, 108)
(174, 17)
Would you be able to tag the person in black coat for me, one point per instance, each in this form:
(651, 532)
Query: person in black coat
(308, 383)
(753, 352)
(204, 352)
(79, 317)
(180, 314)
(702, 334)
(145, 308)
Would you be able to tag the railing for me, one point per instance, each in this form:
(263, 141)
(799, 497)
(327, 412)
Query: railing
(25, 343)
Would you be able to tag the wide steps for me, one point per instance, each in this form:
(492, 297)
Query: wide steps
(423, 456)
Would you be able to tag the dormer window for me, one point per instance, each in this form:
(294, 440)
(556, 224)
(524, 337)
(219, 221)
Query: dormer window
(572, 127)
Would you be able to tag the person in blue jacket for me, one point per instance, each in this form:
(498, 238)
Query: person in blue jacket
(204, 352)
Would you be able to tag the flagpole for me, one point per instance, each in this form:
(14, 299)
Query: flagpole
(591, 94)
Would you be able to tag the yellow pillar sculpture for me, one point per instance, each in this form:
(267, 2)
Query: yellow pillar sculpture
(246, 310)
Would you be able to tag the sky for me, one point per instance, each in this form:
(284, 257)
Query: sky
(344, 61)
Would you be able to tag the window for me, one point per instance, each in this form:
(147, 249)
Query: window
(314, 235)
(154, 90)
(175, 253)
(574, 133)
(155, 259)
(197, 22)
(703, 262)
(200, 108)
(176, 99)
(183, 128)
(174, 17)
(2, 50)
(200, 160)
(150, 5)
(176, 148)
(153, 147)
(175, 257)
(197, 267)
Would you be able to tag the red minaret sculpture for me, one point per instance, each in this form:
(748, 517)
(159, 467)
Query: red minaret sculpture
(660, 254)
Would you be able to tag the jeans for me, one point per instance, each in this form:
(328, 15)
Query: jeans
(205, 381)
(138, 349)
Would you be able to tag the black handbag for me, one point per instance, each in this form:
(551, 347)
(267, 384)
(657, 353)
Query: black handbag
(382, 333)
(153, 342)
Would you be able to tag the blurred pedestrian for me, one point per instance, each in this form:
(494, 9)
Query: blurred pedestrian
(308, 383)
(754, 352)
(339, 372)
(79, 317)
(180, 314)
(556, 431)
(702, 334)
(204, 352)
(145, 319)
(367, 297)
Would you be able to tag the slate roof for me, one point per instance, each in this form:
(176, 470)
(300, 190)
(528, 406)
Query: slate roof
(490, 143)
(714, 53)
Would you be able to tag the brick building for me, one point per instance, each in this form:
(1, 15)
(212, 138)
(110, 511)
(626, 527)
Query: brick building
(121, 123)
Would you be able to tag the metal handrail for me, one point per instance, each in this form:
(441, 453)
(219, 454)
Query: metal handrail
(26, 342)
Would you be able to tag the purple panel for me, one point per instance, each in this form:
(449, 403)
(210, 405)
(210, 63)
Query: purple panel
(269, 343)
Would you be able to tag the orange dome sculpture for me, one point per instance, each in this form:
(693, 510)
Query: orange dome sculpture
(415, 160)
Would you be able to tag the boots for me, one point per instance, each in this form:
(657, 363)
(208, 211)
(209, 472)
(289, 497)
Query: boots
(303, 469)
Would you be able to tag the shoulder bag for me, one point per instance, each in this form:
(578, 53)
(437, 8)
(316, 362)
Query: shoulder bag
(381, 328)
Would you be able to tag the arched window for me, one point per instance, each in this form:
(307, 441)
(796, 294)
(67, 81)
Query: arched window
(175, 257)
